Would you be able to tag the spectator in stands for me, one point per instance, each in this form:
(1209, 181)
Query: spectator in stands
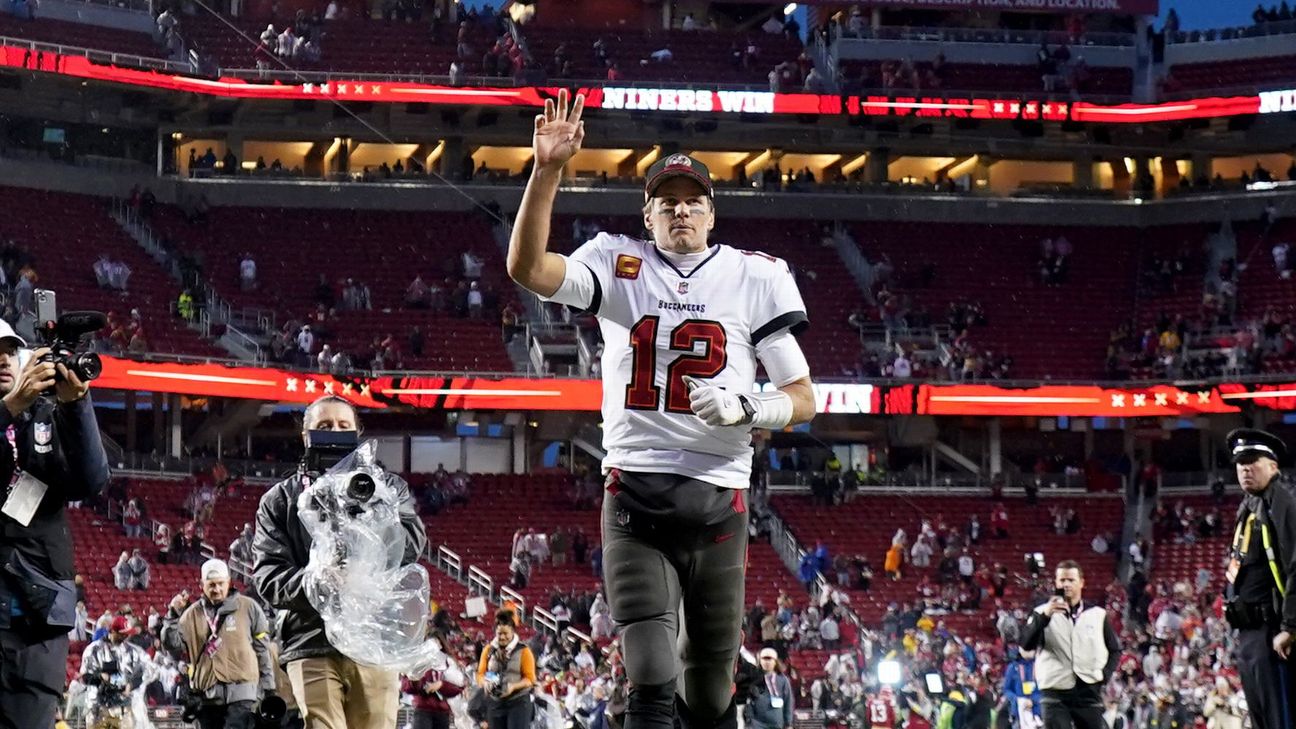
(966, 567)
(248, 272)
(25, 294)
(241, 548)
(121, 572)
(688, 23)
(111, 274)
(185, 305)
(162, 540)
(921, 553)
(270, 36)
(131, 519)
(139, 571)
(661, 55)
(431, 694)
(475, 301)
(520, 570)
(416, 294)
(1224, 708)
(814, 82)
(166, 24)
(773, 25)
(324, 360)
(559, 546)
(305, 340)
(830, 631)
(286, 44)
(580, 545)
(894, 558)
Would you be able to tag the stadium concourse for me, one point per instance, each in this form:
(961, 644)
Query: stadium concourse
(1010, 230)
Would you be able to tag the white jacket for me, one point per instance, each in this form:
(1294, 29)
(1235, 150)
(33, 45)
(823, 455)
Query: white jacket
(1072, 650)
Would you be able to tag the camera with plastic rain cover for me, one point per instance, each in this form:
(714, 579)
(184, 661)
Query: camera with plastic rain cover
(65, 336)
(325, 449)
(373, 600)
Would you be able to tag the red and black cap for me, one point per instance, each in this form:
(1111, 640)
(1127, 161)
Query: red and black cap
(677, 165)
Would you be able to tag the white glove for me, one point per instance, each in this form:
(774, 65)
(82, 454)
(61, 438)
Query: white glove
(715, 405)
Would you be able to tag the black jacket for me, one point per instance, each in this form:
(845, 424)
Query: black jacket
(36, 560)
(281, 550)
(1276, 508)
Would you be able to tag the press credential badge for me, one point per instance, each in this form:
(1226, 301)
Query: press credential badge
(25, 497)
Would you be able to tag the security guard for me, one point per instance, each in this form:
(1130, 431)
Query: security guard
(1261, 596)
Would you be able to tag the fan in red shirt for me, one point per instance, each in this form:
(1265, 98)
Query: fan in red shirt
(881, 710)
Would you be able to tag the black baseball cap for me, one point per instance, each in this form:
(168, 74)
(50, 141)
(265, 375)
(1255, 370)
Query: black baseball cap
(677, 165)
(1247, 445)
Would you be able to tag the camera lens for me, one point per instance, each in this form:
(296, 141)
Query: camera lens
(272, 710)
(87, 366)
(360, 487)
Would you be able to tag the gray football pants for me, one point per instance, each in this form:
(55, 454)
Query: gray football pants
(674, 565)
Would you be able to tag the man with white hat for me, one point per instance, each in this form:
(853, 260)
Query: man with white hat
(57, 455)
(223, 637)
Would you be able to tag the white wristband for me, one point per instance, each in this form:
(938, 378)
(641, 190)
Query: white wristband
(770, 410)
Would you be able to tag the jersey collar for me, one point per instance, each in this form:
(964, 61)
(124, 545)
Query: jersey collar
(715, 250)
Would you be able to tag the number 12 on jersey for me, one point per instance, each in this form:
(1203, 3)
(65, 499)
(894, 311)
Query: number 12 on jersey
(643, 392)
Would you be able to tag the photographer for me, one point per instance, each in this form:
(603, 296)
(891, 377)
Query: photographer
(57, 451)
(332, 691)
(112, 668)
(507, 673)
(223, 638)
(1076, 653)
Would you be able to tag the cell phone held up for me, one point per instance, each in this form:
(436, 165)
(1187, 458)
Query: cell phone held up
(65, 335)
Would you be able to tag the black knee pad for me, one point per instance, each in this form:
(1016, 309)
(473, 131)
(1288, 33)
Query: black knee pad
(648, 650)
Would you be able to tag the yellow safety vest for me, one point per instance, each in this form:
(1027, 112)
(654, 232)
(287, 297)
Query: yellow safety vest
(1242, 543)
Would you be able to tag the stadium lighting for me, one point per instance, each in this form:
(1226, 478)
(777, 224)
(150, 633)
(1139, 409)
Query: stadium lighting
(789, 8)
(889, 672)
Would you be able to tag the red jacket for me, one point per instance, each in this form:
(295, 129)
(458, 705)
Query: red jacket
(436, 702)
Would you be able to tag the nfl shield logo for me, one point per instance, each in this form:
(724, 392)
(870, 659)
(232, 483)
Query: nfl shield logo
(683, 287)
(43, 433)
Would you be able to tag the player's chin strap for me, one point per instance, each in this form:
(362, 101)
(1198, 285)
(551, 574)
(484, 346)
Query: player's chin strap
(769, 410)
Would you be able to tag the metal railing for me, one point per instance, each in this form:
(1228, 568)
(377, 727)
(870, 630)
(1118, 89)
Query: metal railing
(1000, 36)
(109, 58)
(1218, 35)
(480, 583)
(1013, 483)
(544, 620)
(508, 593)
(449, 562)
(143, 6)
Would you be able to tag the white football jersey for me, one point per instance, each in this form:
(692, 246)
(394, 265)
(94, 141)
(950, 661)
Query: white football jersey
(658, 326)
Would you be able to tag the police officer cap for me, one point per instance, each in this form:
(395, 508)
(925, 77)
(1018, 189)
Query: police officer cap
(1247, 445)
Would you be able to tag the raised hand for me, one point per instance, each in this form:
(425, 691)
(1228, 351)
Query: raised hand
(558, 131)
